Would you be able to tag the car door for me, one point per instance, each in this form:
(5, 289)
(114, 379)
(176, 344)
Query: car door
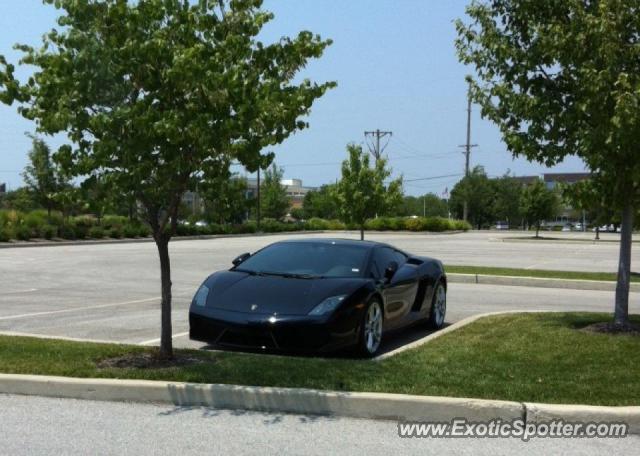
(399, 293)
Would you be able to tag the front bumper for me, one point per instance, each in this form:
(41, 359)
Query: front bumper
(270, 333)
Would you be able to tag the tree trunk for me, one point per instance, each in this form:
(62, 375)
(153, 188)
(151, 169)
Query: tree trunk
(537, 230)
(597, 233)
(621, 314)
(166, 341)
(362, 233)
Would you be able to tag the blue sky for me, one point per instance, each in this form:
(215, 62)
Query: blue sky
(396, 68)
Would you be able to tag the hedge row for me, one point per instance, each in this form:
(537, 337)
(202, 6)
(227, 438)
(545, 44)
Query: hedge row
(39, 225)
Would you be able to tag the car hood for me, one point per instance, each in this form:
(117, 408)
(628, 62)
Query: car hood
(242, 292)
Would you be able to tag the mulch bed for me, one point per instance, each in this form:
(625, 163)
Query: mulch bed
(147, 361)
(609, 327)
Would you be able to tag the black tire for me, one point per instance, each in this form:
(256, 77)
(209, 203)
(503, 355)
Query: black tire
(438, 312)
(365, 348)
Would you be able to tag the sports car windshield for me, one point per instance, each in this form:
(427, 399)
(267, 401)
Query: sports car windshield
(308, 260)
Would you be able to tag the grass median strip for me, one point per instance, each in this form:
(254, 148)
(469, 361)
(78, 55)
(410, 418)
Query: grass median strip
(520, 357)
(539, 273)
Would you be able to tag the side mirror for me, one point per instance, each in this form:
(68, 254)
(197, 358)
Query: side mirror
(241, 259)
(391, 270)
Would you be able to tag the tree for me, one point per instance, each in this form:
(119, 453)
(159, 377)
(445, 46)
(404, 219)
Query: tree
(562, 78)
(321, 203)
(506, 199)
(477, 191)
(42, 176)
(274, 201)
(585, 197)
(225, 199)
(20, 199)
(361, 192)
(154, 95)
(429, 205)
(538, 203)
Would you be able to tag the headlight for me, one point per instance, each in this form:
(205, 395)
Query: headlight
(328, 305)
(200, 299)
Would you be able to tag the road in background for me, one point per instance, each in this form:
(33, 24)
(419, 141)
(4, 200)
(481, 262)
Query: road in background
(35, 425)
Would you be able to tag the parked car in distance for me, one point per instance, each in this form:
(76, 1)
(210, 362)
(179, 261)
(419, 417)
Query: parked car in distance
(502, 225)
(318, 295)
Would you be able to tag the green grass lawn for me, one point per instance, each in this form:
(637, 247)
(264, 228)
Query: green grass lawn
(607, 276)
(522, 357)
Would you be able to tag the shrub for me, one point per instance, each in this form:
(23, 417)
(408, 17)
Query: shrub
(269, 225)
(115, 232)
(23, 232)
(130, 230)
(435, 224)
(6, 234)
(185, 229)
(55, 219)
(336, 225)
(68, 232)
(114, 221)
(245, 228)
(413, 224)
(376, 224)
(96, 232)
(316, 224)
(48, 231)
(461, 225)
(144, 231)
(82, 226)
(35, 220)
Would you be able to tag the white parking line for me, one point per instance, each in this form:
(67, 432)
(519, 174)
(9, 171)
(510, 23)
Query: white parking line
(30, 290)
(155, 341)
(72, 339)
(77, 309)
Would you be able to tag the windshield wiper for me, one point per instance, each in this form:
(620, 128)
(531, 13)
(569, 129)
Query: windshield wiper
(287, 275)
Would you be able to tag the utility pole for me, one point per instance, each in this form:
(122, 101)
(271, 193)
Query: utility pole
(467, 151)
(374, 147)
(258, 206)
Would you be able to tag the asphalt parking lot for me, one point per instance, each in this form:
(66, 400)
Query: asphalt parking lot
(110, 292)
(38, 425)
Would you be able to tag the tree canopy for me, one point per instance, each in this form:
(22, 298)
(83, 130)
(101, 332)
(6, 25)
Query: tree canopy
(562, 78)
(43, 177)
(362, 192)
(538, 204)
(274, 201)
(155, 95)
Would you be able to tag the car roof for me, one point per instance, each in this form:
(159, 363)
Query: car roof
(353, 242)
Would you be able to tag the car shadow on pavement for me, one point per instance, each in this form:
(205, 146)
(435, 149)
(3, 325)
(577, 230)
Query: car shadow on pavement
(390, 342)
(269, 417)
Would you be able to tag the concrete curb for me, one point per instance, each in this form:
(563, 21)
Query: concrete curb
(573, 284)
(379, 406)
(284, 400)
(541, 413)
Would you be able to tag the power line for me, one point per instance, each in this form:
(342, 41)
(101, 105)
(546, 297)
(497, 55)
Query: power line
(374, 147)
(432, 177)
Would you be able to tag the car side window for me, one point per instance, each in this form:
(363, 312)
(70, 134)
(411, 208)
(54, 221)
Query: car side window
(401, 258)
(381, 259)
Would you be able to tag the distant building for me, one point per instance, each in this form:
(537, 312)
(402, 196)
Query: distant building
(551, 180)
(3, 188)
(295, 189)
(526, 180)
